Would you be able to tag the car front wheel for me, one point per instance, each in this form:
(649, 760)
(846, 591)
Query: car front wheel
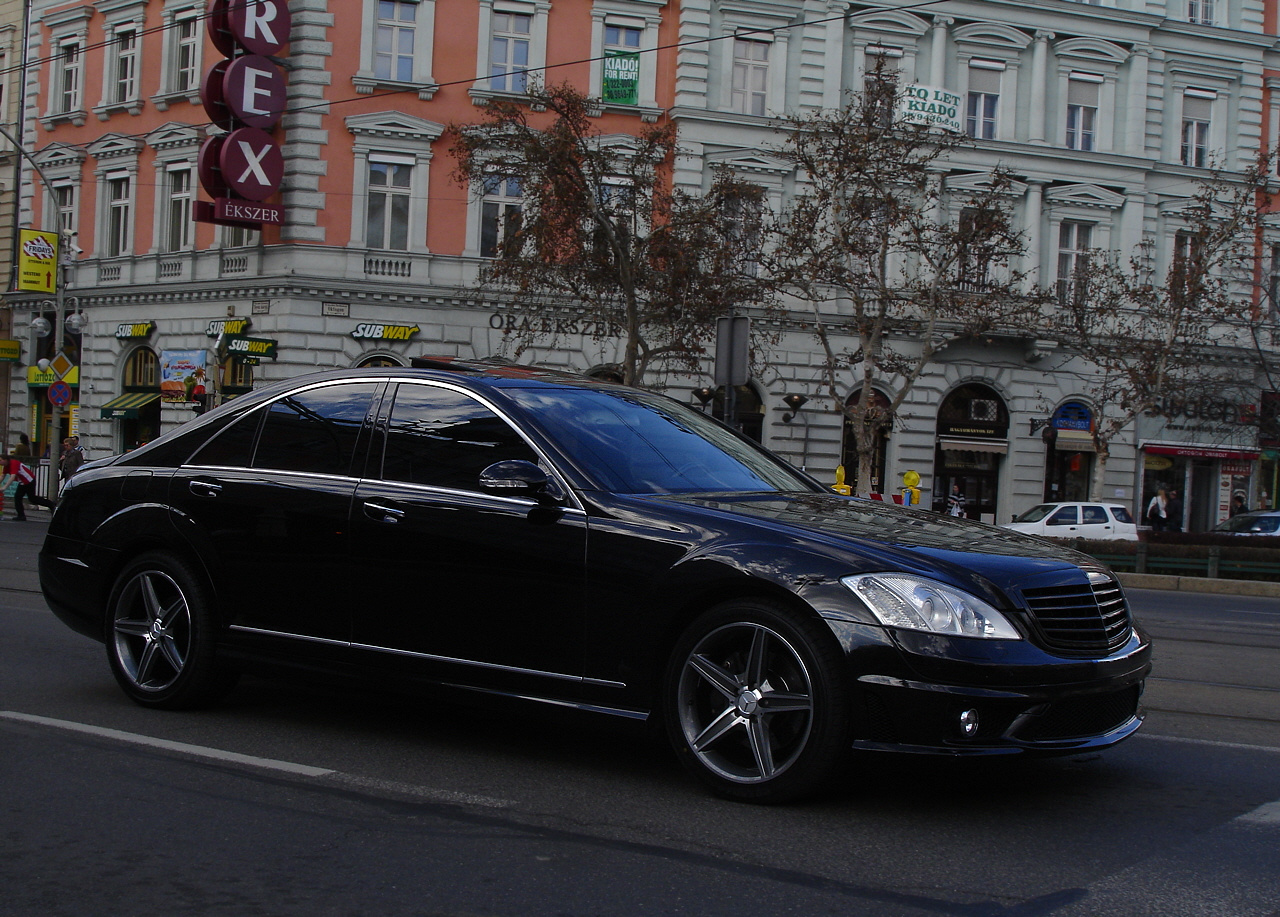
(756, 704)
(160, 635)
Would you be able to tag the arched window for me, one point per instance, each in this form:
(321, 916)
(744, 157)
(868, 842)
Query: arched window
(378, 360)
(140, 371)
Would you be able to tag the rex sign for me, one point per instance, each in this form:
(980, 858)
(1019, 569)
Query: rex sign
(245, 95)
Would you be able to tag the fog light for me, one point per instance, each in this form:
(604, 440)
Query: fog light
(969, 723)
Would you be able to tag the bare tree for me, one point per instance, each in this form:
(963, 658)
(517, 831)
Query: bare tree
(601, 234)
(1152, 339)
(888, 258)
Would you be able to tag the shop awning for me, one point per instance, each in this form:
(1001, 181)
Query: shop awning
(1074, 441)
(998, 446)
(126, 406)
(1198, 451)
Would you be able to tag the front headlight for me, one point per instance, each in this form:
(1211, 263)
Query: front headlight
(916, 603)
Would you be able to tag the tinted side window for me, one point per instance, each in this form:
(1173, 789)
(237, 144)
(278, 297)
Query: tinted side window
(315, 430)
(1066, 515)
(232, 447)
(443, 438)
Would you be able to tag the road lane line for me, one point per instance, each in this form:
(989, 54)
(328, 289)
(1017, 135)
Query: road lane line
(200, 751)
(1233, 745)
(329, 776)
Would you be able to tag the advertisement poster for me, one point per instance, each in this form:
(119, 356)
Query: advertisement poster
(37, 261)
(621, 77)
(182, 374)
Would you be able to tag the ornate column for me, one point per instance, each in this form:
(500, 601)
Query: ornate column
(1039, 86)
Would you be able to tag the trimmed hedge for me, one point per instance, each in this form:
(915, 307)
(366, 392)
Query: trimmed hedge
(1190, 554)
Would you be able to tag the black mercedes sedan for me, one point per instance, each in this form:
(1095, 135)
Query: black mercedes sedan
(518, 531)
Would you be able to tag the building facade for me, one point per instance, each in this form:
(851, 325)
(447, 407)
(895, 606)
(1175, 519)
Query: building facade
(1107, 114)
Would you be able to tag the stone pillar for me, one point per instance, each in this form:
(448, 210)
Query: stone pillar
(1039, 87)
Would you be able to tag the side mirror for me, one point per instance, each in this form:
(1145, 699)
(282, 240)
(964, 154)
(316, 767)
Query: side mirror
(517, 478)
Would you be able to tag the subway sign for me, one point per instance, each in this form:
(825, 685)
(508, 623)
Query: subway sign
(369, 331)
(128, 330)
(240, 346)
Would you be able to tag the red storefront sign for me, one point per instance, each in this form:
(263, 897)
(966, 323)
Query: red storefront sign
(1208, 452)
(245, 95)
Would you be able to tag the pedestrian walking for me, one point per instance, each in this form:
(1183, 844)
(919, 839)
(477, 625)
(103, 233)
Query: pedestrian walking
(955, 502)
(16, 470)
(72, 458)
(1158, 511)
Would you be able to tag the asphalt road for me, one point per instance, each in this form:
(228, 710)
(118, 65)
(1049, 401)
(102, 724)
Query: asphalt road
(311, 800)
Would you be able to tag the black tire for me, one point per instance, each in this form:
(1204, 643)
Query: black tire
(756, 702)
(161, 637)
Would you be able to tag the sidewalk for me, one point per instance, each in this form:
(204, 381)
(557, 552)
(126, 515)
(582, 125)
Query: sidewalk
(19, 546)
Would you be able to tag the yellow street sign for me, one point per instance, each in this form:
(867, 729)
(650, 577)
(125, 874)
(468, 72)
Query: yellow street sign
(37, 261)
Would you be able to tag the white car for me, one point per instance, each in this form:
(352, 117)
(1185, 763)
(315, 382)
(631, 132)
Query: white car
(1100, 521)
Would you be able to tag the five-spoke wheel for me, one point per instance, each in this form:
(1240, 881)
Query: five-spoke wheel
(160, 635)
(756, 703)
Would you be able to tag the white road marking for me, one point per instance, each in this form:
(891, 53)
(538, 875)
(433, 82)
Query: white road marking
(1234, 745)
(329, 775)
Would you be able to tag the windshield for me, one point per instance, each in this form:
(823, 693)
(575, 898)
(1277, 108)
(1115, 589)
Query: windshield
(638, 443)
(1036, 513)
(1255, 525)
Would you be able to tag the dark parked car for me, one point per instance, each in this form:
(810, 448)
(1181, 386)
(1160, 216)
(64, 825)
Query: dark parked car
(548, 536)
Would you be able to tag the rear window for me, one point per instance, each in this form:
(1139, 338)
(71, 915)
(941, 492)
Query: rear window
(1122, 515)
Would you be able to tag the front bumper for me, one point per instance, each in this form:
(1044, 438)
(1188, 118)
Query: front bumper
(936, 695)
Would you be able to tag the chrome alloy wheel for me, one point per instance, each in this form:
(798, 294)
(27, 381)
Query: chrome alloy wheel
(152, 630)
(745, 703)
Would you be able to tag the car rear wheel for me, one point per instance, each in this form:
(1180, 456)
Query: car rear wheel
(755, 702)
(160, 636)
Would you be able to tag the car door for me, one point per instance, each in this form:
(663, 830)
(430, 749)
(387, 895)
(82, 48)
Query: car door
(1095, 522)
(266, 504)
(1063, 521)
(487, 588)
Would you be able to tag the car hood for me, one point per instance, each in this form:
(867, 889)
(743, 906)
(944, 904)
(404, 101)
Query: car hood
(888, 536)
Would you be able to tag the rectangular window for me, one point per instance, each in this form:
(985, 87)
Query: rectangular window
(119, 206)
(1074, 241)
(621, 65)
(1082, 114)
(750, 76)
(499, 213)
(177, 232)
(1273, 282)
(388, 205)
(238, 236)
(186, 61)
(983, 103)
(744, 219)
(973, 266)
(1196, 111)
(1188, 269)
(69, 65)
(126, 66)
(509, 59)
(393, 57)
(880, 82)
(66, 202)
(1200, 11)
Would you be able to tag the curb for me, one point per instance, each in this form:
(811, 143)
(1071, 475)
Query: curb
(1199, 584)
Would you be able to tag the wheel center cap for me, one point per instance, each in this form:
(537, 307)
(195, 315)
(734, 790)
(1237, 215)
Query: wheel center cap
(748, 702)
(157, 629)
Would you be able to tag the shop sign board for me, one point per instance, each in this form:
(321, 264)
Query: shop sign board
(240, 346)
(10, 351)
(372, 331)
(37, 261)
(244, 94)
(128, 330)
(226, 326)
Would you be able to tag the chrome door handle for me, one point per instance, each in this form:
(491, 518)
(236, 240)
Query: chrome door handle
(204, 488)
(382, 513)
